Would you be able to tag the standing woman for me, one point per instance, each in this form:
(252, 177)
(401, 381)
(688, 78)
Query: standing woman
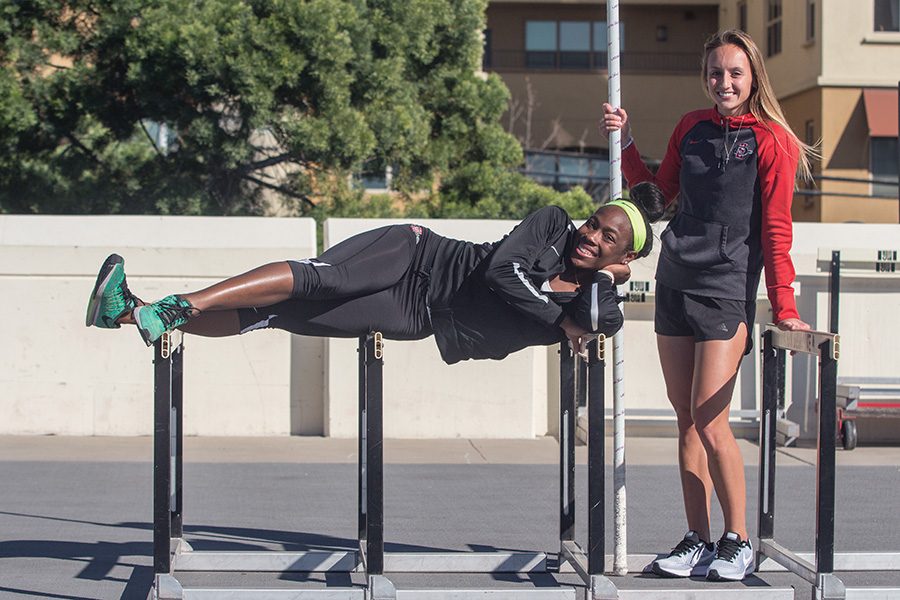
(732, 168)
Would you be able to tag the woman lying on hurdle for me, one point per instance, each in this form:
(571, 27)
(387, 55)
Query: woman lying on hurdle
(542, 283)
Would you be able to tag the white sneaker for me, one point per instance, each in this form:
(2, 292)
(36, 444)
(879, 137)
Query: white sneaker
(734, 559)
(691, 556)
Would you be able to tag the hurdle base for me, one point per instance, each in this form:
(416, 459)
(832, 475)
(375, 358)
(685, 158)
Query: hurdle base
(828, 587)
(601, 588)
(597, 586)
(381, 588)
(166, 587)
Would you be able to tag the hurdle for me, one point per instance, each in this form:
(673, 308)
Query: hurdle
(581, 382)
(817, 568)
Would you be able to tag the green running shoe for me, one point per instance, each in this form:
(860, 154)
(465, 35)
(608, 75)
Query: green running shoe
(164, 315)
(111, 297)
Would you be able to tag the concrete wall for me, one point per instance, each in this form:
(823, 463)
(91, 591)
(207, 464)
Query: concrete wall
(869, 311)
(58, 377)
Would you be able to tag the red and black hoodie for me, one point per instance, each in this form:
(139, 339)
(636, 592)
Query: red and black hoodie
(734, 179)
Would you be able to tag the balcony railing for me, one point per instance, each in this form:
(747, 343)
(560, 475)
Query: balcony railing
(632, 62)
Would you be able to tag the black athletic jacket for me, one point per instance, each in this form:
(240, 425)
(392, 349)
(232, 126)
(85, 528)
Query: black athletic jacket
(473, 286)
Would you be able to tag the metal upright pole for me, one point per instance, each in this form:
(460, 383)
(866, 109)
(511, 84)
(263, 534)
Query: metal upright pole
(771, 360)
(596, 449)
(834, 291)
(374, 457)
(620, 556)
(361, 447)
(177, 358)
(162, 472)
(566, 443)
(825, 479)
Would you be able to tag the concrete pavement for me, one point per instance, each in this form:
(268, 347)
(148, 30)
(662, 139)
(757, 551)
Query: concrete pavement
(75, 513)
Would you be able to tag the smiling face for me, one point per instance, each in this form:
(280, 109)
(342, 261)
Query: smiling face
(729, 80)
(604, 239)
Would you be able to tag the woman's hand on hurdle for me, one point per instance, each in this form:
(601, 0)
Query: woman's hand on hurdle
(793, 325)
(577, 336)
(615, 118)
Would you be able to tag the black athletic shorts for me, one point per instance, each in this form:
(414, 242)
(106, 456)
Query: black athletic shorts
(373, 281)
(703, 318)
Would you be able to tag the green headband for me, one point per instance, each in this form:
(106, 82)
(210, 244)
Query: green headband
(637, 221)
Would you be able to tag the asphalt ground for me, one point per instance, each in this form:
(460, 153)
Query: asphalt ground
(76, 513)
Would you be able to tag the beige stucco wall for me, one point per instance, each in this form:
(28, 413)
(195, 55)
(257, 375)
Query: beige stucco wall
(576, 100)
(573, 99)
(854, 54)
(846, 52)
(799, 109)
(845, 147)
(797, 66)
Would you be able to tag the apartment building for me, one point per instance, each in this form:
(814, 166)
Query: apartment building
(835, 65)
(553, 57)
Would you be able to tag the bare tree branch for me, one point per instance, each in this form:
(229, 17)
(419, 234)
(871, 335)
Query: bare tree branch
(557, 126)
(582, 141)
(268, 162)
(280, 190)
(150, 137)
(83, 148)
(529, 111)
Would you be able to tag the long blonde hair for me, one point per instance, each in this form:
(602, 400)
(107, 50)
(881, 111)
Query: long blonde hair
(763, 103)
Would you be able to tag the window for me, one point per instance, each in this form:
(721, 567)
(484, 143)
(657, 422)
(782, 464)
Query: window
(578, 169)
(564, 170)
(887, 15)
(884, 165)
(540, 44)
(810, 20)
(375, 175)
(601, 42)
(567, 44)
(574, 44)
(163, 137)
(540, 167)
(742, 15)
(773, 27)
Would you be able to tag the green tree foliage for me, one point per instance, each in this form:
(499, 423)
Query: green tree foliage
(277, 97)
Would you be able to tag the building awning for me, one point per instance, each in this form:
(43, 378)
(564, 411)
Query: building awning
(881, 112)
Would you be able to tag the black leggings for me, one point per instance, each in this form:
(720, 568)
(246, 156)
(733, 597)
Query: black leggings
(374, 281)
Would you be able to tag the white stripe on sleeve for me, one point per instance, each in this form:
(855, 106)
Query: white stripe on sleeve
(527, 283)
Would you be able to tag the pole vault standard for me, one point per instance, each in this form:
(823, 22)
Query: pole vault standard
(620, 556)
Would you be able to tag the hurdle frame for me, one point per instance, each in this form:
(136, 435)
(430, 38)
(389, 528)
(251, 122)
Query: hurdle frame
(581, 383)
(820, 573)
